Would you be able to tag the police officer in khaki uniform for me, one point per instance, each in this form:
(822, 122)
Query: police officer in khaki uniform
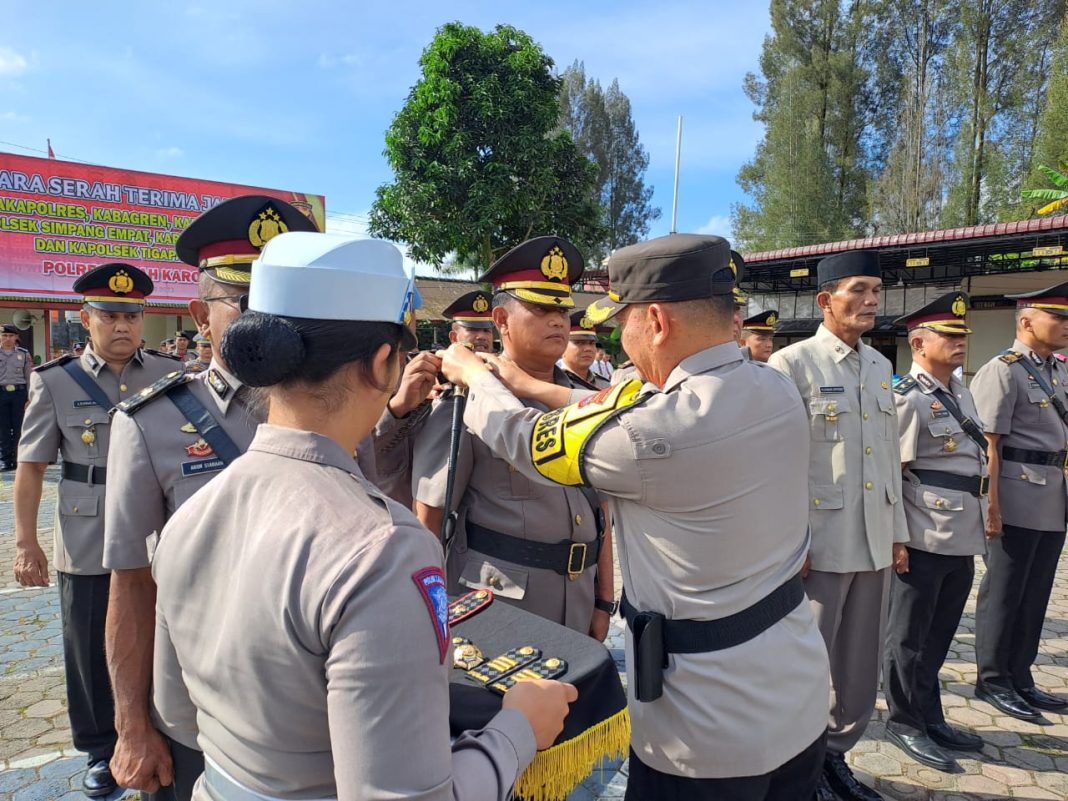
(1021, 399)
(167, 443)
(711, 569)
(544, 549)
(944, 490)
(182, 342)
(202, 362)
(314, 645)
(581, 353)
(16, 364)
(472, 321)
(855, 511)
(758, 335)
(68, 415)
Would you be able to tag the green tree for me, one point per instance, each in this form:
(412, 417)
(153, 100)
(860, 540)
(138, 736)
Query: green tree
(478, 159)
(600, 122)
(1054, 199)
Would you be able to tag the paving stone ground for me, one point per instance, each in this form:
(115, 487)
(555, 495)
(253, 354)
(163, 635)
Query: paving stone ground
(1020, 760)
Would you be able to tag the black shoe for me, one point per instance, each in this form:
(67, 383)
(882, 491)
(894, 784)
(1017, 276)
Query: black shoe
(98, 780)
(923, 749)
(1042, 700)
(842, 781)
(1008, 701)
(824, 791)
(957, 739)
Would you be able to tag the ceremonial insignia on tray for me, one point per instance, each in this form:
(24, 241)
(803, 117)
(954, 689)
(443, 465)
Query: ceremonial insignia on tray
(431, 584)
(200, 448)
(465, 654)
(550, 668)
(501, 666)
(469, 605)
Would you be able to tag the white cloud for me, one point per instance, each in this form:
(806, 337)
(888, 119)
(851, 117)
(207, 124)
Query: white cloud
(718, 224)
(11, 63)
(13, 116)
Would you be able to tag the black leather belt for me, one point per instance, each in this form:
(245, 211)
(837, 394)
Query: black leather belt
(701, 636)
(1050, 458)
(85, 473)
(976, 485)
(568, 558)
(13, 387)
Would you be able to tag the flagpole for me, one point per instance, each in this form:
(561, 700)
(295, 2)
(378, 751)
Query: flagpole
(678, 161)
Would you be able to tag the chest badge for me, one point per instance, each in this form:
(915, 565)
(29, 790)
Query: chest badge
(199, 449)
(936, 406)
(949, 445)
(188, 428)
(89, 435)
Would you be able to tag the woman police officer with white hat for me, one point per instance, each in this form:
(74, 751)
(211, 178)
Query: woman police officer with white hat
(301, 613)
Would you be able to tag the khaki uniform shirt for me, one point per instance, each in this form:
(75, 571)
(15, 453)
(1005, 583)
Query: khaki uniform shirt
(706, 484)
(15, 366)
(59, 414)
(854, 474)
(394, 442)
(940, 520)
(157, 462)
(291, 612)
(1011, 404)
(592, 380)
(496, 495)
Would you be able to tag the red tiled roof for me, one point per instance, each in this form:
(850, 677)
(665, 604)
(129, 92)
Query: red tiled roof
(1020, 228)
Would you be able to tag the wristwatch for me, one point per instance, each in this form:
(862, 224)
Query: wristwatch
(611, 607)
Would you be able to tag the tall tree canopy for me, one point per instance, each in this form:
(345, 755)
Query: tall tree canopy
(479, 160)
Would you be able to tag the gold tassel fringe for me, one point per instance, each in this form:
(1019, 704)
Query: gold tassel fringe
(557, 770)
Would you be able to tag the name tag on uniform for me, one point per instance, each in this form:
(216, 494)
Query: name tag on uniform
(202, 466)
(80, 403)
(831, 390)
(940, 413)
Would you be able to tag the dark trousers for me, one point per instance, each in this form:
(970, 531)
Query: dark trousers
(925, 608)
(1020, 567)
(83, 602)
(188, 765)
(12, 408)
(794, 780)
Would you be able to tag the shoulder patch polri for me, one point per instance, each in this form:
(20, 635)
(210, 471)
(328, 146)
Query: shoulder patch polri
(431, 584)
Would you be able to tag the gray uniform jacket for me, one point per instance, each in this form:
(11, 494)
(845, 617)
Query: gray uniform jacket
(62, 419)
(303, 614)
(1011, 404)
(158, 461)
(394, 442)
(940, 520)
(854, 473)
(496, 495)
(15, 366)
(706, 484)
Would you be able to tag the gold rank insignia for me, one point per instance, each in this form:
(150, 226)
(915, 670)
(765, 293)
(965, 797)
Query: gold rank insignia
(501, 666)
(465, 654)
(554, 264)
(772, 319)
(188, 428)
(550, 668)
(481, 304)
(586, 322)
(959, 307)
(265, 226)
(120, 283)
(469, 605)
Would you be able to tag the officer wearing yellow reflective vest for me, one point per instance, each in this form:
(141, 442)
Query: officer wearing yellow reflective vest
(721, 648)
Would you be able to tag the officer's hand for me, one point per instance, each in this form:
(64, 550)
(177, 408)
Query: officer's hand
(460, 364)
(543, 703)
(420, 376)
(519, 383)
(142, 761)
(993, 522)
(599, 624)
(806, 568)
(31, 566)
(901, 558)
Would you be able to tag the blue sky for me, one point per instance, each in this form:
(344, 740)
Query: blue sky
(298, 96)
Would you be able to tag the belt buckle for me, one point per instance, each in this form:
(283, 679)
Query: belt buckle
(572, 573)
(9, 387)
(984, 486)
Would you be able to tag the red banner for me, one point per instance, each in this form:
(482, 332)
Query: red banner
(59, 219)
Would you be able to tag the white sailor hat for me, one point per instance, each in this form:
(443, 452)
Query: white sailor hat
(332, 277)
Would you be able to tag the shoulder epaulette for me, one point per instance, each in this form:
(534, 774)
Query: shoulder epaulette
(59, 360)
(1010, 356)
(904, 385)
(156, 390)
(170, 356)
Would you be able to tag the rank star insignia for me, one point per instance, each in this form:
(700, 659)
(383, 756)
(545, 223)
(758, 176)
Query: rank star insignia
(188, 428)
(200, 448)
(218, 383)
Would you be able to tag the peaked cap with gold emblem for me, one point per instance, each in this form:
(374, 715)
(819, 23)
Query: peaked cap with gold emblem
(1053, 299)
(226, 239)
(945, 314)
(741, 300)
(539, 271)
(763, 323)
(582, 327)
(115, 287)
(471, 310)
